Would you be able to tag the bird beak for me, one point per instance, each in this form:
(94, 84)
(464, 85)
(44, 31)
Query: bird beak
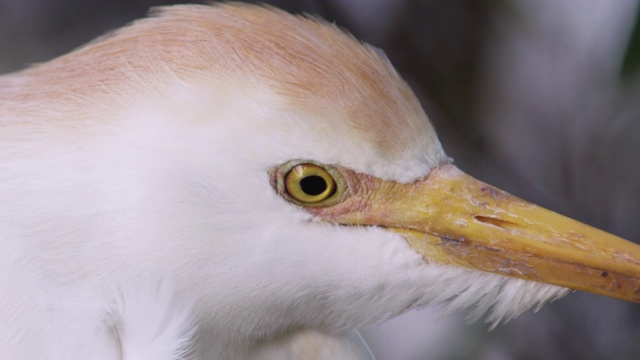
(451, 218)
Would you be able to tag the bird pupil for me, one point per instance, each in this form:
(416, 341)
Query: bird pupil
(313, 185)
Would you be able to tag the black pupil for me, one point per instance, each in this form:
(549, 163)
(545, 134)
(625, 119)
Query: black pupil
(313, 185)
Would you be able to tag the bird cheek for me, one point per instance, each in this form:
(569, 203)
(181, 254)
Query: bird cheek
(337, 213)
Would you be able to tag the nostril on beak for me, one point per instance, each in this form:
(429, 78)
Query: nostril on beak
(493, 221)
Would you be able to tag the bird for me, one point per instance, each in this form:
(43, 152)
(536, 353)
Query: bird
(230, 181)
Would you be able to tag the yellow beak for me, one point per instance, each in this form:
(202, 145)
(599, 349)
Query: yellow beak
(451, 218)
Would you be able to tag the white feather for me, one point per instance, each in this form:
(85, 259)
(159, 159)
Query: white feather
(152, 322)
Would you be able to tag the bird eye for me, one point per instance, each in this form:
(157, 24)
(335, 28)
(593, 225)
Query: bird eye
(309, 183)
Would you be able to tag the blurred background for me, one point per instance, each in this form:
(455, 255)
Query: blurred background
(538, 97)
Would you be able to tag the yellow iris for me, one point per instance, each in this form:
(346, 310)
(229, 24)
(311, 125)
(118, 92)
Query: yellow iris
(309, 183)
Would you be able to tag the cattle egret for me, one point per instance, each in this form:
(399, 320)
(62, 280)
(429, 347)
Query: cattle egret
(234, 182)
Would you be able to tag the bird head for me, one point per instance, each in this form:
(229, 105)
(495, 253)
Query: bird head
(282, 173)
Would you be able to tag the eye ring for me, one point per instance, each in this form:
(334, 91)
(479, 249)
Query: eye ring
(309, 183)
